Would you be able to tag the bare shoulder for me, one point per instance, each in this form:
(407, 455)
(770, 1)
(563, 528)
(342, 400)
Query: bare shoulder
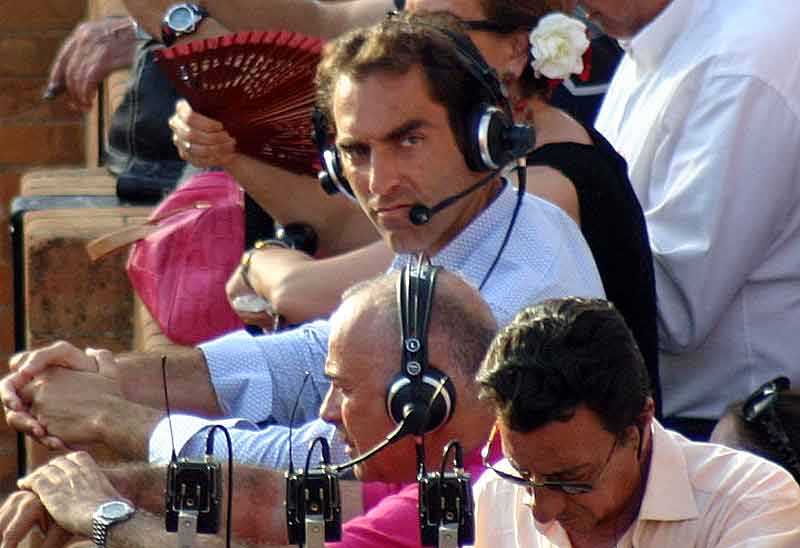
(556, 126)
(552, 185)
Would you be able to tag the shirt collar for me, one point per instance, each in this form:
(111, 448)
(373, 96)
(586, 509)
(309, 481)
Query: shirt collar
(455, 256)
(649, 46)
(668, 495)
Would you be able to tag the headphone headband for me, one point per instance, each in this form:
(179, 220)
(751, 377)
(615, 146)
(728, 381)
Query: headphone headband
(420, 397)
(414, 300)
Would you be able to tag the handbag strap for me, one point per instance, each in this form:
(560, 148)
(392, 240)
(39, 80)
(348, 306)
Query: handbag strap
(119, 239)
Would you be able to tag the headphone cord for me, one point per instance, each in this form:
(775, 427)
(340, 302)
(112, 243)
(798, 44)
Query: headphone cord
(522, 177)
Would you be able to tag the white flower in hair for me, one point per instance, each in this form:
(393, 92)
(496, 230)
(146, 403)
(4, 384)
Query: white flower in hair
(557, 46)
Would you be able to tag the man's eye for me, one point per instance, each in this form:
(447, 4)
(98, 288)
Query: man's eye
(412, 140)
(355, 153)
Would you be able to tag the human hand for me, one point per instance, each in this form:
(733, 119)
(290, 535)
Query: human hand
(74, 408)
(71, 488)
(200, 140)
(24, 367)
(88, 55)
(245, 302)
(20, 513)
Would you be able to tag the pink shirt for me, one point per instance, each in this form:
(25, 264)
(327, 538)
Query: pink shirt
(391, 519)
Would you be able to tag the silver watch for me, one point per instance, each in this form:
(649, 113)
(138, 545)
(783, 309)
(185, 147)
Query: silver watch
(108, 514)
(180, 20)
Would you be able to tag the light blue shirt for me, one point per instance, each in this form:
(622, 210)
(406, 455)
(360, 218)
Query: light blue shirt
(259, 378)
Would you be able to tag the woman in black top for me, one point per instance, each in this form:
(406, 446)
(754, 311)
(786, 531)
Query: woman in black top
(571, 165)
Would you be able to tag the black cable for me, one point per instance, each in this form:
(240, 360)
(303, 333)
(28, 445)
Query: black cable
(210, 452)
(291, 418)
(458, 462)
(420, 450)
(326, 454)
(522, 176)
(174, 457)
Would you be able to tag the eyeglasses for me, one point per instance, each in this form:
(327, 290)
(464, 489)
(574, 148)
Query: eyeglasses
(568, 487)
(759, 409)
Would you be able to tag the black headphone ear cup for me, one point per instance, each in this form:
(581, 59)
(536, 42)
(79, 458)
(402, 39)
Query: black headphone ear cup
(331, 176)
(411, 402)
(486, 147)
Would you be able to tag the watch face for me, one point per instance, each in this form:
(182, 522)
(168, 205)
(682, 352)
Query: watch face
(115, 509)
(181, 18)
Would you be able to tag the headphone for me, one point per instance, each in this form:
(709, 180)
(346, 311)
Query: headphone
(492, 139)
(419, 397)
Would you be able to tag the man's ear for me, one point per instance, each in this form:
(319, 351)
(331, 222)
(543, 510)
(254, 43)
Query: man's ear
(647, 414)
(642, 422)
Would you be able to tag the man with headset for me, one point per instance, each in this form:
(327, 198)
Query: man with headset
(422, 132)
(431, 389)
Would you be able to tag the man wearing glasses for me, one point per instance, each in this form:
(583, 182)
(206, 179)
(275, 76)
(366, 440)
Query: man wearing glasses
(588, 465)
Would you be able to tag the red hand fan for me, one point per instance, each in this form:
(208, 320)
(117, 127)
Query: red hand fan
(259, 84)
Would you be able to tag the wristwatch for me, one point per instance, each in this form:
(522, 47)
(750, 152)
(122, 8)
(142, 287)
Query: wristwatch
(108, 514)
(180, 20)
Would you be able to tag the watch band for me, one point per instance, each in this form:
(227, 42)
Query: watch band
(170, 34)
(99, 532)
(247, 257)
(108, 514)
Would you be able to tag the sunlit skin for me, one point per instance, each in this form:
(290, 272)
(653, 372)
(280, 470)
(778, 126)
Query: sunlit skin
(364, 356)
(623, 18)
(577, 450)
(355, 401)
(398, 150)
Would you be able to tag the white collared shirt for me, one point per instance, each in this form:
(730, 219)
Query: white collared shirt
(698, 495)
(705, 107)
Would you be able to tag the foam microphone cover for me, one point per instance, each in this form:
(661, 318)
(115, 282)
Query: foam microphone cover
(419, 215)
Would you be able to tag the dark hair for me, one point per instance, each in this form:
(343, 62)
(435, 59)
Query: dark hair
(560, 354)
(395, 46)
(514, 15)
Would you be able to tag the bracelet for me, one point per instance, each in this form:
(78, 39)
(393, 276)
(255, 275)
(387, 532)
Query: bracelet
(248, 256)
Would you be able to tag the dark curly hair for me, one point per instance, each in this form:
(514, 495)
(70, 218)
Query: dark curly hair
(561, 354)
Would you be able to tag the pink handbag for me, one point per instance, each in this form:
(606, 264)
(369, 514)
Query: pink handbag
(183, 256)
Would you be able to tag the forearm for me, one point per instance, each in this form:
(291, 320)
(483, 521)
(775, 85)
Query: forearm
(189, 386)
(126, 427)
(258, 511)
(301, 289)
(145, 530)
(325, 19)
(141, 483)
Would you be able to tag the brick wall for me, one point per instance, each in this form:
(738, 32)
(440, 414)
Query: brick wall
(32, 133)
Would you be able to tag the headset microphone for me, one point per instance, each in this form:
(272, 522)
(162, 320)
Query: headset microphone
(421, 214)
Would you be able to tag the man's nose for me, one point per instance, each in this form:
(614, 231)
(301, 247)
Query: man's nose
(383, 171)
(331, 406)
(548, 504)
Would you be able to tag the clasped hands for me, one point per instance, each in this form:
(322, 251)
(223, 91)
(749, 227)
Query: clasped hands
(58, 394)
